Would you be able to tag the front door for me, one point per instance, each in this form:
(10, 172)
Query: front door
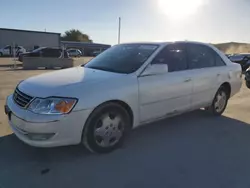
(169, 93)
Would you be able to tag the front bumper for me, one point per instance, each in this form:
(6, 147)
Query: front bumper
(46, 130)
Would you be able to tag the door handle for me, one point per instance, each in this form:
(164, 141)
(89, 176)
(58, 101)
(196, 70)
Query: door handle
(187, 80)
(218, 74)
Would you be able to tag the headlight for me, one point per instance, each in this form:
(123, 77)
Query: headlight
(52, 105)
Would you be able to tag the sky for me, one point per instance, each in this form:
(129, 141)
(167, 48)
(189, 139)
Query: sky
(213, 21)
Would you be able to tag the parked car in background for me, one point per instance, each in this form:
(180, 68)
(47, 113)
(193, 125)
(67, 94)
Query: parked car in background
(247, 77)
(242, 59)
(8, 51)
(97, 104)
(96, 53)
(45, 52)
(74, 52)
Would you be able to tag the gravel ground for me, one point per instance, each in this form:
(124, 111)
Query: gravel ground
(192, 150)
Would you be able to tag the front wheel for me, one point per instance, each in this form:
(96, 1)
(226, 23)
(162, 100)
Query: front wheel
(220, 102)
(248, 84)
(106, 128)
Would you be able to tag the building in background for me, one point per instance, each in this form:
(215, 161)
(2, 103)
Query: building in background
(87, 49)
(34, 39)
(28, 39)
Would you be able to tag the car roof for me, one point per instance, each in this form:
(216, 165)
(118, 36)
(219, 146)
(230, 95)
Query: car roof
(170, 42)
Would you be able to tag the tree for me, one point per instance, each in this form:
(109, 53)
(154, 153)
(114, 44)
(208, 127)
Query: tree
(75, 35)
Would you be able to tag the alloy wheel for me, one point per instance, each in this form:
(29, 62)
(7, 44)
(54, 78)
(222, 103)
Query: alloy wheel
(220, 102)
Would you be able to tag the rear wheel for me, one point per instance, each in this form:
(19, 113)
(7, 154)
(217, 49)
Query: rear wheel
(1, 54)
(106, 128)
(220, 102)
(248, 84)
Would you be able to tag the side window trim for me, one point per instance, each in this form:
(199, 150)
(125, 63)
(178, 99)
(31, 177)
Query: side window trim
(157, 55)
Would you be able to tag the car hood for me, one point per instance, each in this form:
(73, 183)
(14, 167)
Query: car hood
(55, 82)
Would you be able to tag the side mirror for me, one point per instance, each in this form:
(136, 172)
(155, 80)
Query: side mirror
(155, 69)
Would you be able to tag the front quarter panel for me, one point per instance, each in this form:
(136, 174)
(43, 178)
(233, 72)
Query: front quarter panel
(90, 95)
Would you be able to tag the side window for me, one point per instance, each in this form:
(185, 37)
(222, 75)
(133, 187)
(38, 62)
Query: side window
(53, 52)
(174, 55)
(200, 56)
(44, 52)
(219, 61)
(48, 52)
(58, 53)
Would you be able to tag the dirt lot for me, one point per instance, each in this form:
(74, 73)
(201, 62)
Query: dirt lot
(192, 150)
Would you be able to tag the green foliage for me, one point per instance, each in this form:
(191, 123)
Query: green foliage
(75, 35)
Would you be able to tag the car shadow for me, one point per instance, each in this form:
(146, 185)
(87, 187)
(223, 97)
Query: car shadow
(191, 150)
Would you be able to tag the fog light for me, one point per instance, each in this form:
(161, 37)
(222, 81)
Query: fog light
(39, 136)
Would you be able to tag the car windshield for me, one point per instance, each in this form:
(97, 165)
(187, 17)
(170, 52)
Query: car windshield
(125, 58)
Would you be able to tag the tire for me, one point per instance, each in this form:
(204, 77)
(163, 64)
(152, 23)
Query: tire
(218, 107)
(1, 54)
(106, 128)
(248, 84)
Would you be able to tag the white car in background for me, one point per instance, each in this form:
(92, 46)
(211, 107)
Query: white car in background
(74, 53)
(8, 51)
(126, 86)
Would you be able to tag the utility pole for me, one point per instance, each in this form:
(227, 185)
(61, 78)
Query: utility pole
(119, 31)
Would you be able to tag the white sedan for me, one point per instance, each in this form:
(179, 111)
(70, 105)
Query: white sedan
(128, 85)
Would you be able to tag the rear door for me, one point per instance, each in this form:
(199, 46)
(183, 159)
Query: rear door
(207, 72)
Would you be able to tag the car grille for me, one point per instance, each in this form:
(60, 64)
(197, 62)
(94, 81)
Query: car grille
(21, 98)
